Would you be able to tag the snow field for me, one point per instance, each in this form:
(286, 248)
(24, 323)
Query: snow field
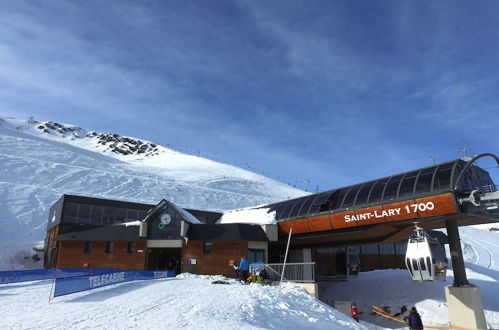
(187, 301)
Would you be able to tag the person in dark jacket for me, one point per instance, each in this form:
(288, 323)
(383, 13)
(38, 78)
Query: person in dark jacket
(415, 320)
(243, 269)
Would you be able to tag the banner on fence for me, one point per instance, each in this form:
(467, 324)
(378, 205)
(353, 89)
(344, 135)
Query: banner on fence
(69, 285)
(45, 274)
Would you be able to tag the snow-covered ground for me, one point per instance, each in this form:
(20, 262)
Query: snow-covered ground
(392, 288)
(189, 302)
(193, 302)
(39, 162)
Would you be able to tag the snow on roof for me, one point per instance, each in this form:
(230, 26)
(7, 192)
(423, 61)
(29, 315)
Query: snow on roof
(260, 216)
(189, 217)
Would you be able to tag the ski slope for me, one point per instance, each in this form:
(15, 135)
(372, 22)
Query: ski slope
(187, 301)
(39, 162)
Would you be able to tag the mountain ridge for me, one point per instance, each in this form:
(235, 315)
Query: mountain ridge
(41, 161)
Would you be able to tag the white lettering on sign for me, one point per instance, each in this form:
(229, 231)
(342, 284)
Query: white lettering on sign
(409, 209)
(106, 279)
(160, 274)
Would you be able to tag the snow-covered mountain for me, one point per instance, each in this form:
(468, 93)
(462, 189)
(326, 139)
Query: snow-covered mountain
(40, 161)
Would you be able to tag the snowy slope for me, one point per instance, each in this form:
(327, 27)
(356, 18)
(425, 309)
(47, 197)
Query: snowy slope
(394, 289)
(39, 162)
(188, 302)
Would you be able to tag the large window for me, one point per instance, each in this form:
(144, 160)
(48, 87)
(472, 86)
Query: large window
(256, 255)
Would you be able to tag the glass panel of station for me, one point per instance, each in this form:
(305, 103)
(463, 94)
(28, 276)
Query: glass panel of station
(296, 207)
(392, 187)
(99, 215)
(377, 191)
(443, 177)
(423, 182)
(363, 193)
(322, 202)
(306, 205)
(407, 184)
(350, 197)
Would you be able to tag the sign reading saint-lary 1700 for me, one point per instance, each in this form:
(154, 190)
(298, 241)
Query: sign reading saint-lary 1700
(405, 210)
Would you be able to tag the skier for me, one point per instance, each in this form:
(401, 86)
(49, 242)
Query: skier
(355, 312)
(415, 320)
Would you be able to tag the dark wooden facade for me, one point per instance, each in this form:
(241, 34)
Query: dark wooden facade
(72, 255)
(195, 261)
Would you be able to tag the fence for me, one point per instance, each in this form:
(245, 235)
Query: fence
(294, 272)
(15, 276)
(69, 285)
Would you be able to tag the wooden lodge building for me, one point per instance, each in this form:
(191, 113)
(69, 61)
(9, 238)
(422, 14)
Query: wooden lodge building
(370, 220)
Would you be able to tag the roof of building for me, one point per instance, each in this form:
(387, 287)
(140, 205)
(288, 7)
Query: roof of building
(409, 185)
(121, 232)
(226, 232)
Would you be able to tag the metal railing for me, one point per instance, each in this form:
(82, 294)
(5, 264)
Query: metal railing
(294, 271)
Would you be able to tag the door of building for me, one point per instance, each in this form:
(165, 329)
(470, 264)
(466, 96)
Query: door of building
(164, 259)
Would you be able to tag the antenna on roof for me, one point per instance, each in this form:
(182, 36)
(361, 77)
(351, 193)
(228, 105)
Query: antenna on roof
(465, 152)
(432, 159)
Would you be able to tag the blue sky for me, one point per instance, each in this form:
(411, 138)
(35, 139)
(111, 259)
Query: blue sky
(312, 93)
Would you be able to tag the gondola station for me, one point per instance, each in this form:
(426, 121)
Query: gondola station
(383, 223)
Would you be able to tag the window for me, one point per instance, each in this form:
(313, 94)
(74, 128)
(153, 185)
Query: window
(108, 216)
(96, 215)
(84, 213)
(109, 247)
(423, 183)
(377, 190)
(392, 187)
(296, 207)
(207, 247)
(130, 248)
(255, 255)
(407, 185)
(306, 206)
(120, 215)
(350, 197)
(442, 177)
(87, 247)
(363, 193)
(71, 212)
(131, 215)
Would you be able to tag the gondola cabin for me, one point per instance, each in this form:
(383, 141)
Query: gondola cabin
(425, 258)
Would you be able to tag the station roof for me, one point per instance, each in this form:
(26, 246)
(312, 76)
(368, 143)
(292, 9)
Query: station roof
(227, 232)
(422, 182)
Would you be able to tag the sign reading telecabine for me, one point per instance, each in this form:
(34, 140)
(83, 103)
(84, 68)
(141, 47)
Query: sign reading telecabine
(69, 285)
(15, 276)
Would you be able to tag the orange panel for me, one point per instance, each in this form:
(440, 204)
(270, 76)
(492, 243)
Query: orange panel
(320, 223)
(343, 220)
(299, 226)
(284, 226)
(436, 205)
